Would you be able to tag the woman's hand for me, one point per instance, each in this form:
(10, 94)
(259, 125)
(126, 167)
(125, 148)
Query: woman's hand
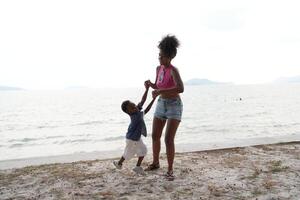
(155, 93)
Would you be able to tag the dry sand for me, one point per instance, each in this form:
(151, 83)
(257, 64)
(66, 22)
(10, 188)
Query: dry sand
(257, 172)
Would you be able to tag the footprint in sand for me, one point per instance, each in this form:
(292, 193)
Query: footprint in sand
(169, 187)
(185, 171)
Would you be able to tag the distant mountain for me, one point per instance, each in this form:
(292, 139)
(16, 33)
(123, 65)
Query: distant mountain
(7, 88)
(197, 81)
(294, 79)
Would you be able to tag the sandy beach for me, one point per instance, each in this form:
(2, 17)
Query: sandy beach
(255, 172)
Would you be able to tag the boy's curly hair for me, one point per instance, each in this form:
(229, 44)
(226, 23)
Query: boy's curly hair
(168, 45)
(124, 106)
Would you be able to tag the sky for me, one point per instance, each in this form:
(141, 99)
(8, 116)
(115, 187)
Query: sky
(58, 44)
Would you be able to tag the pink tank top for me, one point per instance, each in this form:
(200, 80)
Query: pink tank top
(164, 78)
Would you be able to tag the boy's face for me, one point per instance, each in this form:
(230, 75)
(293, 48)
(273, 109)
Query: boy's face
(131, 108)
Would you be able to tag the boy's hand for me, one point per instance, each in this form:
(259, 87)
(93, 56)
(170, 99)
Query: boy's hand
(147, 85)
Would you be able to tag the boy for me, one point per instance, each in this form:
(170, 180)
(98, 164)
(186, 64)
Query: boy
(137, 127)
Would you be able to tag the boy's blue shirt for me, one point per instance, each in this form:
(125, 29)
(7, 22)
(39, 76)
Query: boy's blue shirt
(137, 126)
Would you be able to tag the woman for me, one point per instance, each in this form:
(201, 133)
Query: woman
(168, 85)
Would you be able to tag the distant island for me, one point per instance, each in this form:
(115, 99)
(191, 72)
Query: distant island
(197, 81)
(293, 79)
(8, 88)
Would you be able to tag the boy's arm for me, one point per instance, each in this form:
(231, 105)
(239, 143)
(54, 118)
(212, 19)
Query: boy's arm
(144, 97)
(149, 106)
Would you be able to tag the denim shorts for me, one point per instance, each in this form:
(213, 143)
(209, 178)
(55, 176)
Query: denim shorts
(169, 108)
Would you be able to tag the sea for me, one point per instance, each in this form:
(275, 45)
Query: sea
(37, 124)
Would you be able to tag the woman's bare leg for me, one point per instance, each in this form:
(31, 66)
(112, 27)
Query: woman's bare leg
(171, 129)
(157, 128)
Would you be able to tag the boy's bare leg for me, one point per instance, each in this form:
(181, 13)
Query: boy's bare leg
(121, 160)
(118, 164)
(139, 162)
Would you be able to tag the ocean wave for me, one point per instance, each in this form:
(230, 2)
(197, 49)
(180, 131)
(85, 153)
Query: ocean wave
(25, 140)
(281, 125)
(217, 130)
(80, 135)
(289, 125)
(254, 114)
(16, 145)
(28, 140)
(113, 138)
(41, 127)
(88, 123)
(53, 137)
(26, 128)
(73, 141)
(262, 113)
(247, 115)
(295, 124)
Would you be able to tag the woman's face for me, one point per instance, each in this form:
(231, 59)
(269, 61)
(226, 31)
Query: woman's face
(163, 60)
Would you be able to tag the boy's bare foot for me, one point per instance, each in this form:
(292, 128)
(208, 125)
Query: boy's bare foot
(117, 165)
(138, 170)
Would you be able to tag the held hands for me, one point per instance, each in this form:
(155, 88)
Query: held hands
(148, 83)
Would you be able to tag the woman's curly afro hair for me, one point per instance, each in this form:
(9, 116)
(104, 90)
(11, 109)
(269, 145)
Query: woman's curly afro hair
(168, 46)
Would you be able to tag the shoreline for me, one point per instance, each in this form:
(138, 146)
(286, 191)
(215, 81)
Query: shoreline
(180, 148)
(253, 172)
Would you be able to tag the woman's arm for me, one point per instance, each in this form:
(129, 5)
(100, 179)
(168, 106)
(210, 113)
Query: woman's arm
(179, 88)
